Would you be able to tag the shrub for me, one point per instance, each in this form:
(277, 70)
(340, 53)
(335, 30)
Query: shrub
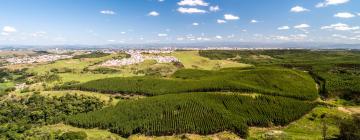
(350, 129)
(73, 136)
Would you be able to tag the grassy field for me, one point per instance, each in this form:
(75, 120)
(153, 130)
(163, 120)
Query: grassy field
(98, 134)
(309, 127)
(4, 86)
(85, 77)
(16, 53)
(92, 134)
(148, 67)
(192, 60)
(76, 65)
(218, 136)
(102, 97)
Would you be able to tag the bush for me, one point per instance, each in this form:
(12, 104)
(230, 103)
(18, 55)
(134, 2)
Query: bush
(73, 136)
(104, 71)
(91, 55)
(350, 129)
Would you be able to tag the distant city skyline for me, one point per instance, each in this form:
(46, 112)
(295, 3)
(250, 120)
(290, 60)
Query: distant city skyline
(101, 22)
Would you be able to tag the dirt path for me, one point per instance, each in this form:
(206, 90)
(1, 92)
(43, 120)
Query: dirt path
(350, 109)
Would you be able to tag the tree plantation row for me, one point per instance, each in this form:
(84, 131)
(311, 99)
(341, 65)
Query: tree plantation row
(201, 113)
(270, 81)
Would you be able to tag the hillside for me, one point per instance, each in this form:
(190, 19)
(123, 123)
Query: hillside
(189, 113)
(271, 81)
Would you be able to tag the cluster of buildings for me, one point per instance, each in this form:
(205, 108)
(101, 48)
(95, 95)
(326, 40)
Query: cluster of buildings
(159, 51)
(37, 59)
(138, 57)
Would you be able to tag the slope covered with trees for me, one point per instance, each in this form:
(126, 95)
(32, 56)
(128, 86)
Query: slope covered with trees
(202, 113)
(271, 81)
(337, 71)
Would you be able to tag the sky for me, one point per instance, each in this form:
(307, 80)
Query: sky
(97, 22)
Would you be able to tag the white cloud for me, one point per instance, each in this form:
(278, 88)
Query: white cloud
(193, 3)
(123, 32)
(111, 40)
(358, 14)
(301, 26)
(339, 36)
(231, 17)
(283, 28)
(331, 2)
(4, 33)
(218, 37)
(346, 37)
(214, 8)
(296, 37)
(9, 29)
(344, 15)
(231, 36)
(195, 24)
(180, 38)
(340, 27)
(162, 35)
(220, 21)
(107, 12)
(254, 21)
(284, 38)
(161, 0)
(59, 39)
(190, 10)
(298, 9)
(153, 13)
(39, 34)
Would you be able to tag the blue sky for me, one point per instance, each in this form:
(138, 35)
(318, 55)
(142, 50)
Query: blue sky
(94, 22)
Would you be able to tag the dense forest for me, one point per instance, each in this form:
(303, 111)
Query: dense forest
(19, 114)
